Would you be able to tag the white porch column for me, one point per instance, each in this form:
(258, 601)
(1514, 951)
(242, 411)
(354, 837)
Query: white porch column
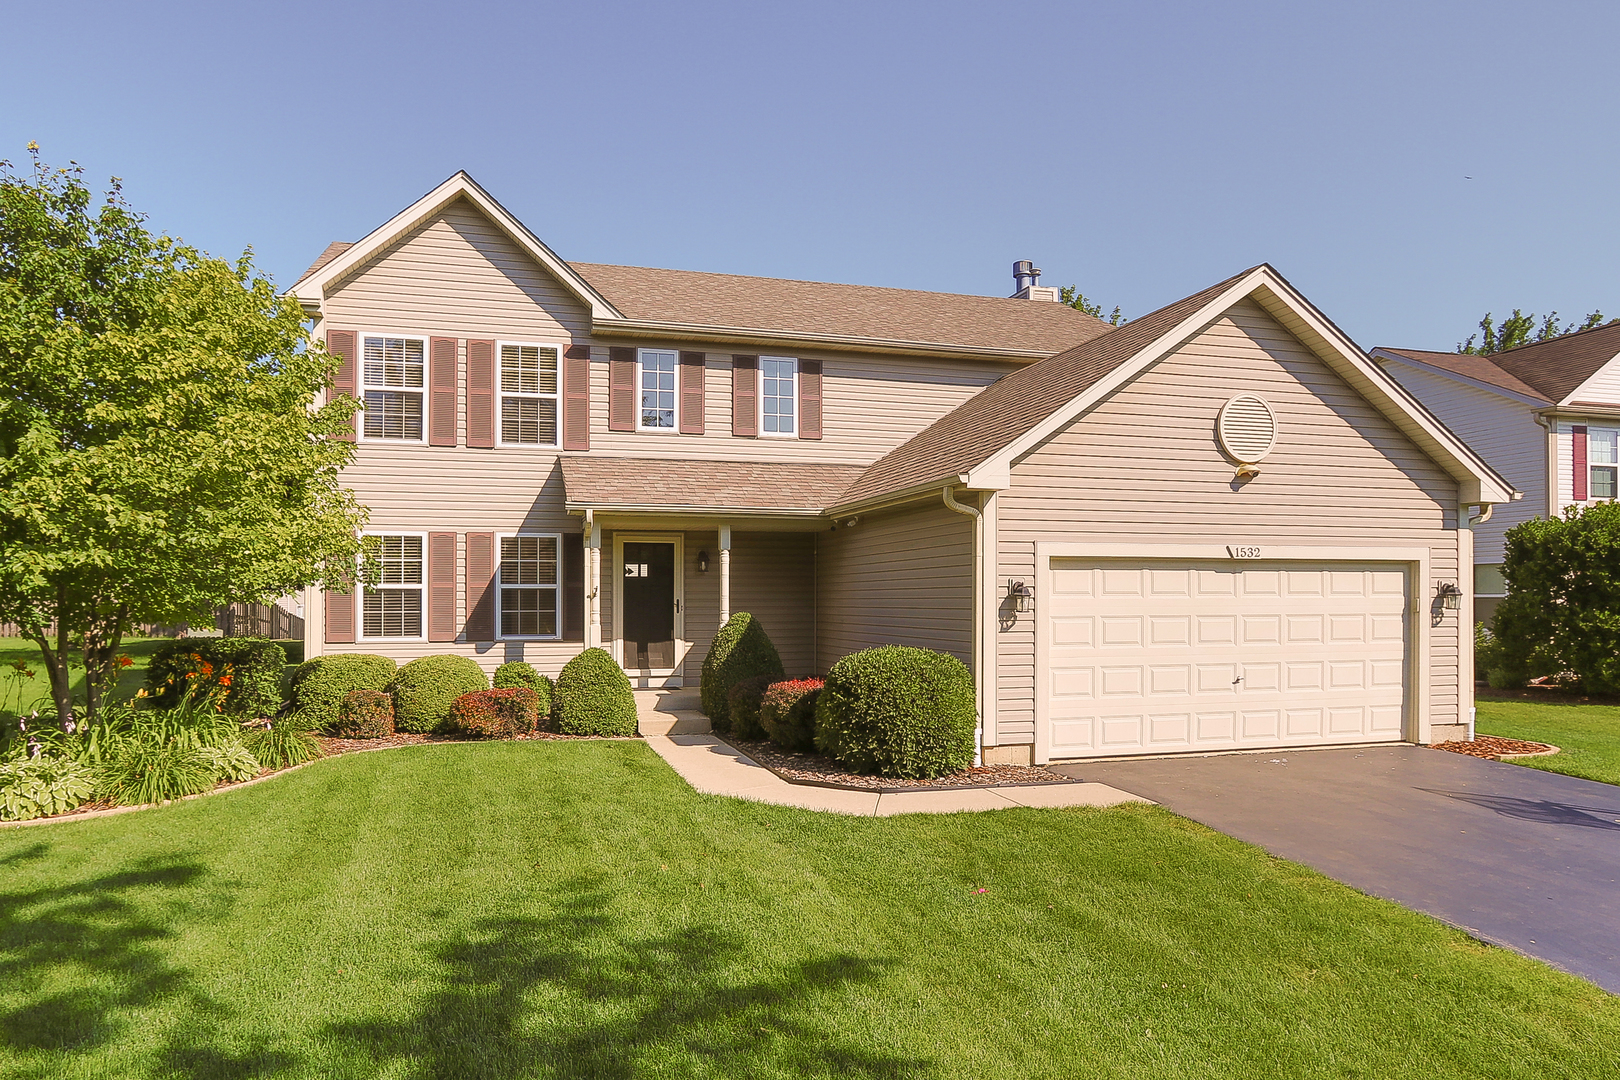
(593, 585)
(725, 574)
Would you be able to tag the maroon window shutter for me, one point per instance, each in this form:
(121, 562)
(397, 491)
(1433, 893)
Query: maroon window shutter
(481, 393)
(621, 389)
(442, 394)
(745, 395)
(339, 617)
(342, 344)
(809, 399)
(573, 586)
(480, 590)
(442, 586)
(1578, 451)
(692, 393)
(576, 391)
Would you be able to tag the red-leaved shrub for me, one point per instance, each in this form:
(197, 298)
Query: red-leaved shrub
(496, 714)
(787, 712)
(365, 714)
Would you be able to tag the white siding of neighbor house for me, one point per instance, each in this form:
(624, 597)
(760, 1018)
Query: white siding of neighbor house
(901, 578)
(1144, 467)
(1503, 432)
(1602, 387)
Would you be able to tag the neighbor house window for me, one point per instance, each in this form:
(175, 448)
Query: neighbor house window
(528, 395)
(528, 586)
(392, 388)
(393, 608)
(778, 395)
(1600, 458)
(657, 383)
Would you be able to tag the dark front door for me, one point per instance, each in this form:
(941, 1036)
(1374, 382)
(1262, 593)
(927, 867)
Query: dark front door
(649, 606)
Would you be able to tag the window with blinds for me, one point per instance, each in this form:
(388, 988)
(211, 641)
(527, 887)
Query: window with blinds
(391, 387)
(528, 381)
(393, 608)
(527, 595)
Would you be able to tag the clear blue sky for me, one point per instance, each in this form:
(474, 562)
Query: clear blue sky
(1141, 150)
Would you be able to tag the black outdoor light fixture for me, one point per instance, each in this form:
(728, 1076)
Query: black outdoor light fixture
(703, 562)
(1450, 596)
(1020, 594)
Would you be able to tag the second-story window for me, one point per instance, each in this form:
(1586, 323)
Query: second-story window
(528, 395)
(1602, 460)
(657, 385)
(778, 395)
(392, 389)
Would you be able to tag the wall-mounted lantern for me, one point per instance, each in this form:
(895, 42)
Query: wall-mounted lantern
(1450, 596)
(703, 562)
(1021, 595)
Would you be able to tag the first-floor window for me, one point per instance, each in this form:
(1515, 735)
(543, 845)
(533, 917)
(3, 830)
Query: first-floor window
(393, 608)
(778, 395)
(1601, 459)
(657, 390)
(528, 586)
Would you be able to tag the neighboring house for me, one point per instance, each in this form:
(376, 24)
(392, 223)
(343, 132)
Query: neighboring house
(1545, 416)
(559, 455)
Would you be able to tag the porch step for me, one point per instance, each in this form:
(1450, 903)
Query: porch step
(670, 712)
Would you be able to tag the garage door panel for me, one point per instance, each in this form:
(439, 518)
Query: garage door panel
(1201, 656)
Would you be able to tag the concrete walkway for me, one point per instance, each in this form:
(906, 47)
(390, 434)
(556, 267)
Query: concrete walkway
(677, 730)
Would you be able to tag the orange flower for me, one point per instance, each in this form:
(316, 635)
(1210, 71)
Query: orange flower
(225, 680)
(125, 661)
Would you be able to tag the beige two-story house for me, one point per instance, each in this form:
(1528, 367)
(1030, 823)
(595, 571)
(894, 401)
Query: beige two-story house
(1220, 526)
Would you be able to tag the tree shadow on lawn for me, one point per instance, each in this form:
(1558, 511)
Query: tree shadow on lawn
(578, 993)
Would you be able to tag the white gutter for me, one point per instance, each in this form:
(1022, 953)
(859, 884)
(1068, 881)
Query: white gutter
(980, 709)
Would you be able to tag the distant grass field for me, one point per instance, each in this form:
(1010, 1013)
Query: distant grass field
(536, 909)
(36, 692)
(1588, 736)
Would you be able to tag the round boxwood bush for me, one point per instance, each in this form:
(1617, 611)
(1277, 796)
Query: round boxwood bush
(897, 711)
(788, 713)
(742, 706)
(496, 714)
(741, 650)
(426, 687)
(516, 673)
(319, 685)
(593, 696)
(365, 714)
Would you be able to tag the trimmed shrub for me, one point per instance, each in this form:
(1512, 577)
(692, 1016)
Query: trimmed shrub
(515, 673)
(319, 685)
(426, 687)
(742, 706)
(365, 714)
(788, 713)
(253, 667)
(593, 696)
(739, 651)
(897, 711)
(497, 714)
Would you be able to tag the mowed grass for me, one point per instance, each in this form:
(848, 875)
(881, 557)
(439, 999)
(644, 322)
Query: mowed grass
(575, 910)
(1588, 736)
(30, 694)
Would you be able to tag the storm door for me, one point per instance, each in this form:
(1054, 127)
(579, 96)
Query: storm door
(650, 598)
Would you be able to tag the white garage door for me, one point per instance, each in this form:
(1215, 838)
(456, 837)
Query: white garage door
(1155, 657)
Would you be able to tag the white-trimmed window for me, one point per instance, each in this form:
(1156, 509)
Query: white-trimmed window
(391, 373)
(393, 608)
(1602, 461)
(778, 395)
(526, 586)
(656, 373)
(528, 381)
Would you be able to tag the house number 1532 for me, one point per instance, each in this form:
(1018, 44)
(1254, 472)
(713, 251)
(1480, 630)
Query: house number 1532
(1240, 551)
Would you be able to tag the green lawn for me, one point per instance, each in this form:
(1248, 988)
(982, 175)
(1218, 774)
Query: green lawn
(1588, 736)
(36, 692)
(575, 910)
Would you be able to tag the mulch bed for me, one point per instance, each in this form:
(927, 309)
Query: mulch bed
(814, 770)
(1491, 747)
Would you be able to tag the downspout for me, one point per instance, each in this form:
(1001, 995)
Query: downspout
(979, 706)
(1551, 447)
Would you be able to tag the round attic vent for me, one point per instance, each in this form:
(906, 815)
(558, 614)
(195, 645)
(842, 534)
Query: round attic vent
(1247, 428)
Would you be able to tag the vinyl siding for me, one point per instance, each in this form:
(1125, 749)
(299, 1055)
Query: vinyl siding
(1603, 387)
(1503, 432)
(1144, 467)
(1564, 451)
(896, 579)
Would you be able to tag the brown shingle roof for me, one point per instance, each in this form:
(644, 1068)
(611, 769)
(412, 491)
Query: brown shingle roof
(780, 305)
(333, 250)
(674, 484)
(996, 416)
(1550, 370)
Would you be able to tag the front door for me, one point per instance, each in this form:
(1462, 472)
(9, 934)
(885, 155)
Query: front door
(650, 632)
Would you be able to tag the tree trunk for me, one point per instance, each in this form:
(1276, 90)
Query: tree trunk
(56, 665)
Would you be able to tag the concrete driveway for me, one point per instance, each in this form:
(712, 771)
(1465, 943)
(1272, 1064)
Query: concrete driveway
(1516, 856)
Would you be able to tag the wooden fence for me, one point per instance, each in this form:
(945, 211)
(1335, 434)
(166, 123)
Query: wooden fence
(237, 620)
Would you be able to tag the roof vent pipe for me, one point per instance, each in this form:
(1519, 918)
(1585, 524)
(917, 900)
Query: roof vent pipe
(1025, 275)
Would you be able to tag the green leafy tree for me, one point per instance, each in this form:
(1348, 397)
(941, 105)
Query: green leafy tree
(161, 452)
(1562, 610)
(1071, 295)
(1521, 329)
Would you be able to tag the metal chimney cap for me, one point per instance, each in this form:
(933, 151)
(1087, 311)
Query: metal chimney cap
(1022, 267)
